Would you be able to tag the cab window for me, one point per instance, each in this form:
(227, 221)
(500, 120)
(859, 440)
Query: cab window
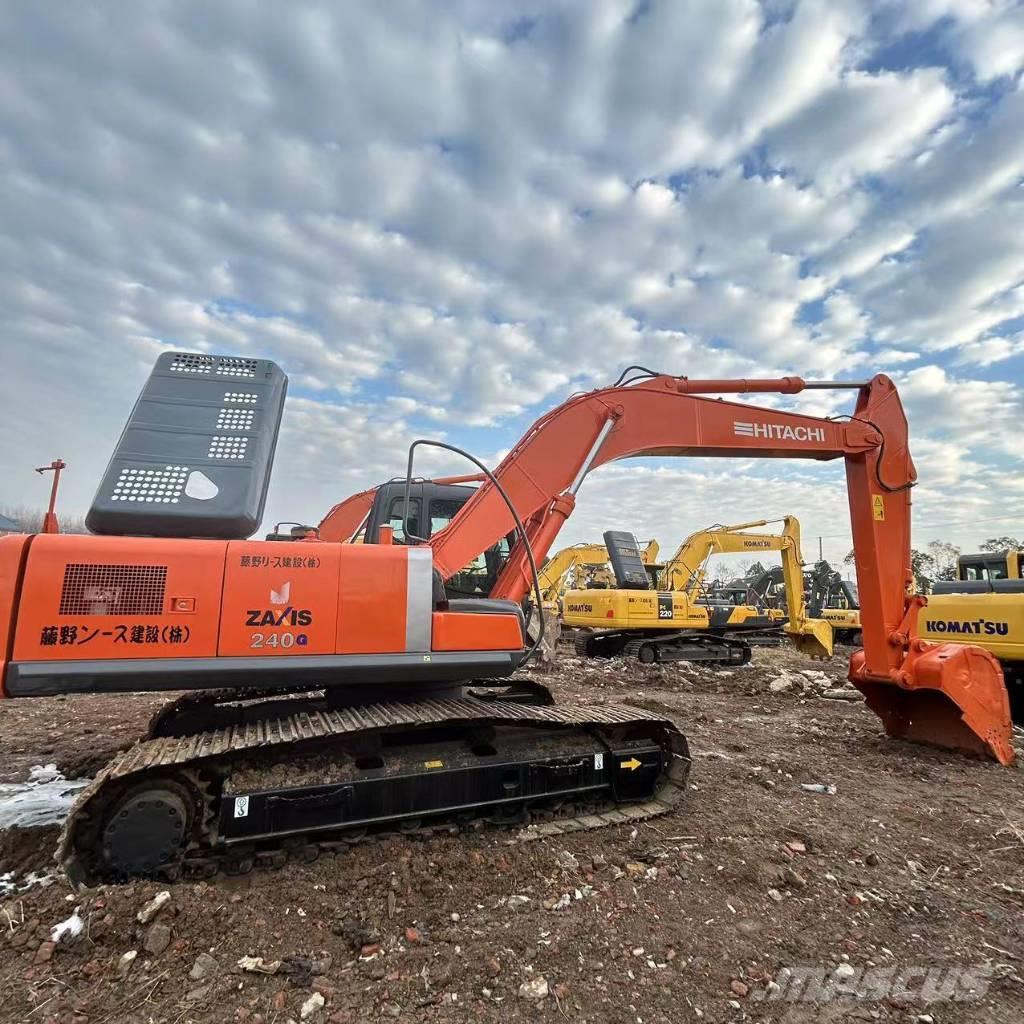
(396, 516)
(442, 512)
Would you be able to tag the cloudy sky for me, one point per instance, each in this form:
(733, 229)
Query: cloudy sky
(441, 219)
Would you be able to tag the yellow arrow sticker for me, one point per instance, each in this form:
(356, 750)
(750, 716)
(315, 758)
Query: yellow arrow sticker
(878, 506)
(632, 764)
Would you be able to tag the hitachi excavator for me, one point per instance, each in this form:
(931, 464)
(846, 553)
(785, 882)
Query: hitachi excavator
(355, 693)
(677, 621)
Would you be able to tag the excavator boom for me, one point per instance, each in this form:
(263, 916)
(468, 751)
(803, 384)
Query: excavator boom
(946, 695)
(683, 570)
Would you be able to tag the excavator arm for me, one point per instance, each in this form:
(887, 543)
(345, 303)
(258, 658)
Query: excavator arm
(953, 696)
(811, 635)
(682, 570)
(344, 520)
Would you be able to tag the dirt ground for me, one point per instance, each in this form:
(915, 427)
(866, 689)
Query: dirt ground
(915, 862)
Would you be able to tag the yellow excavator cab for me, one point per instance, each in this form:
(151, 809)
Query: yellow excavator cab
(589, 559)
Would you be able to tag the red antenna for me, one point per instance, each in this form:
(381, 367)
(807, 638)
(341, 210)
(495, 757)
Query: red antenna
(50, 524)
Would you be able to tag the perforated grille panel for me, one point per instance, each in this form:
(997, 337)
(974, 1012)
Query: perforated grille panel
(229, 366)
(235, 419)
(234, 367)
(189, 362)
(195, 456)
(143, 484)
(227, 447)
(113, 589)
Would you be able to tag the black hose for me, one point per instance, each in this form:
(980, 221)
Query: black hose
(520, 529)
(881, 455)
(645, 373)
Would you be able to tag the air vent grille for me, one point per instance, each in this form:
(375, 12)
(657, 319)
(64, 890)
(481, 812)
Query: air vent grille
(91, 589)
(227, 447)
(190, 362)
(154, 486)
(228, 366)
(233, 367)
(235, 419)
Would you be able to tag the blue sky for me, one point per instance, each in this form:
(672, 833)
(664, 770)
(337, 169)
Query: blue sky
(441, 219)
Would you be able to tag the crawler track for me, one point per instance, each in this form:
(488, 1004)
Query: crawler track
(193, 773)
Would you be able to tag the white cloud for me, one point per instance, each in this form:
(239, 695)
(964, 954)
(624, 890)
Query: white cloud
(863, 125)
(993, 46)
(450, 217)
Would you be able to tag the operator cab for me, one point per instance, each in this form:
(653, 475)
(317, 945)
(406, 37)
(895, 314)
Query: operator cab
(1000, 565)
(985, 573)
(432, 507)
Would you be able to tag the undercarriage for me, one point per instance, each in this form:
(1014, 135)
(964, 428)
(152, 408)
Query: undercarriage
(287, 773)
(659, 646)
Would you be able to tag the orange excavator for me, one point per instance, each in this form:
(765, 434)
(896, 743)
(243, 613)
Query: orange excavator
(356, 694)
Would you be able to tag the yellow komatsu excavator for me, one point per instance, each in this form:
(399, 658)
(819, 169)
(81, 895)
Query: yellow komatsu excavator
(686, 570)
(834, 599)
(676, 623)
(573, 563)
(983, 607)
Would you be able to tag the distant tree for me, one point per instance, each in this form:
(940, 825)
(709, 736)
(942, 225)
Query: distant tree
(742, 567)
(944, 559)
(754, 571)
(1001, 544)
(922, 565)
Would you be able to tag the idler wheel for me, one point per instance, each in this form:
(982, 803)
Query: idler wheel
(145, 831)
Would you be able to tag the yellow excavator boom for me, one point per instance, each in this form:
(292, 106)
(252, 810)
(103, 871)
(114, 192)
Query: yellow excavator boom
(686, 570)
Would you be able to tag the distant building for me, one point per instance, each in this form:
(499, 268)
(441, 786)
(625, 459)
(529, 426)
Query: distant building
(9, 525)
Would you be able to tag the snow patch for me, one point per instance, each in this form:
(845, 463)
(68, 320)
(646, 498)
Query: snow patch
(45, 799)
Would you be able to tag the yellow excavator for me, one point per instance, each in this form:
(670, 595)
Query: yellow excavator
(590, 560)
(834, 599)
(686, 570)
(675, 622)
(983, 607)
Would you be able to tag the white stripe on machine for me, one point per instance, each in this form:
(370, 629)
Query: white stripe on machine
(419, 599)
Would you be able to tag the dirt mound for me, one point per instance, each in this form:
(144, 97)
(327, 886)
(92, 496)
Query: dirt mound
(28, 849)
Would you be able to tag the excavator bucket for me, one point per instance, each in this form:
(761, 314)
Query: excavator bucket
(949, 696)
(812, 637)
